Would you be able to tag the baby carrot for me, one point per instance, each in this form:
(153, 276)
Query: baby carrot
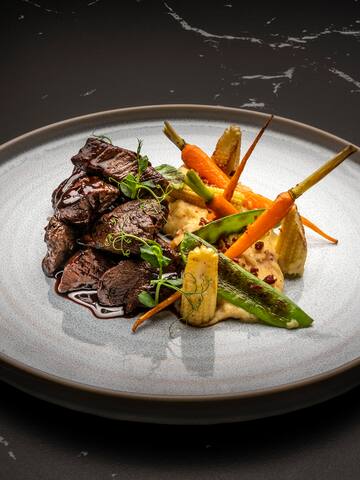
(158, 308)
(197, 159)
(282, 204)
(217, 203)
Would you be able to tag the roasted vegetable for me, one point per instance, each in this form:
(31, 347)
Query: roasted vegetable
(190, 196)
(227, 225)
(291, 245)
(283, 203)
(241, 288)
(227, 151)
(195, 158)
(199, 289)
(234, 180)
(217, 203)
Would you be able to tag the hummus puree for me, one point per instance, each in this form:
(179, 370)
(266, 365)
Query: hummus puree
(185, 217)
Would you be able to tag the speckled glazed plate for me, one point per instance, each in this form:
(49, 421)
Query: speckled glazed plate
(169, 372)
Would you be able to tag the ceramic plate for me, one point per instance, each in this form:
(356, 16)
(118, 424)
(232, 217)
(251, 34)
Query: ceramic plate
(169, 372)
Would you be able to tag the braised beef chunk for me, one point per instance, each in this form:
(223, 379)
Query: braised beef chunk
(84, 269)
(169, 252)
(141, 218)
(80, 197)
(61, 243)
(122, 284)
(97, 157)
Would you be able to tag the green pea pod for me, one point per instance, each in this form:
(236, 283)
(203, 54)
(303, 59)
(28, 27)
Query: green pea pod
(227, 225)
(242, 289)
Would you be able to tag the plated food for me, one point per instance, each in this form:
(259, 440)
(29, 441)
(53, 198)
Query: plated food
(126, 236)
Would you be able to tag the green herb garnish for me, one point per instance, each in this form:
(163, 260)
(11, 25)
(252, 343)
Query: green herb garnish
(172, 174)
(132, 185)
(102, 137)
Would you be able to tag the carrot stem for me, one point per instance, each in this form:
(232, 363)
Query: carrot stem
(158, 308)
(321, 172)
(234, 180)
(172, 135)
(217, 203)
(193, 181)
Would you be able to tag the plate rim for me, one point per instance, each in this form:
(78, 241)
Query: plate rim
(111, 114)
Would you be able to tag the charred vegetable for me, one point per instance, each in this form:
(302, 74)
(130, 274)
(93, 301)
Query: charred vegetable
(227, 151)
(217, 203)
(291, 245)
(244, 290)
(227, 225)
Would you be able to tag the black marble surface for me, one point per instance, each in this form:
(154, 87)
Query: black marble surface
(61, 59)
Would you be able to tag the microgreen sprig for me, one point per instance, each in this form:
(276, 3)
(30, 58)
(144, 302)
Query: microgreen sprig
(102, 137)
(131, 186)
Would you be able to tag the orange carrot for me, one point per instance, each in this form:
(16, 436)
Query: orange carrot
(221, 207)
(316, 229)
(234, 180)
(160, 306)
(255, 200)
(198, 160)
(265, 222)
(209, 171)
(282, 204)
(217, 203)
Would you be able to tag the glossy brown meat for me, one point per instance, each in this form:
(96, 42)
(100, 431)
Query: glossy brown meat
(79, 198)
(141, 218)
(169, 252)
(84, 269)
(61, 243)
(97, 157)
(122, 284)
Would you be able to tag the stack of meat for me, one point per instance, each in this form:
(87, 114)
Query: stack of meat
(87, 208)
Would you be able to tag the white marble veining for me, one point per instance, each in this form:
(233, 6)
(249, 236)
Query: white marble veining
(253, 103)
(88, 92)
(346, 77)
(186, 26)
(5, 443)
(287, 74)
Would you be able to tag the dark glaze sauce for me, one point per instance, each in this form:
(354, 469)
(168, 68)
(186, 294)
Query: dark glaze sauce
(61, 196)
(89, 299)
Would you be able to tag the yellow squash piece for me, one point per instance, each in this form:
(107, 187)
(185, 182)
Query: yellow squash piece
(227, 151)
(291, 245)
(200, 280)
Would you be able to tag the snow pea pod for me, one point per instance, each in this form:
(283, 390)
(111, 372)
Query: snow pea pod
(242, 289)
(227, 225)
